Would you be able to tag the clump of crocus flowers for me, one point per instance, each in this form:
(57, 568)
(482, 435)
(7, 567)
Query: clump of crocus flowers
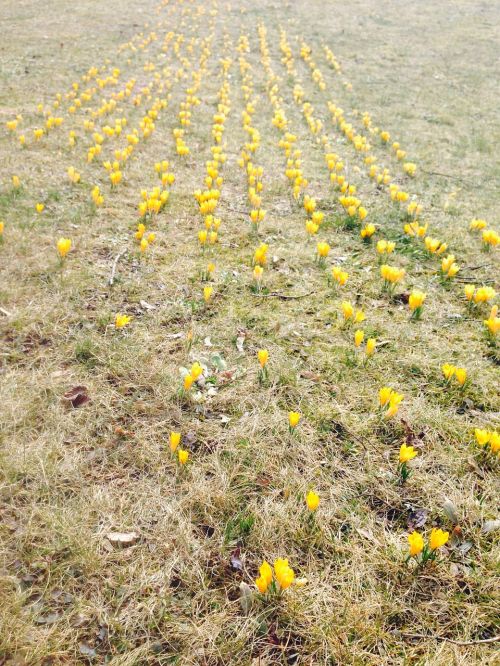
(423, 552)
(391, 275)
(191, 377)
(449, 267)
(490, 239)
(406, 453)
(385, 247)
(273, 580)
(390, 400)
(480, 295)
(367, 231)
(350, 314)
(451, 372)
(371, 343)
(182, 454)
(339, 276)
(488, 440)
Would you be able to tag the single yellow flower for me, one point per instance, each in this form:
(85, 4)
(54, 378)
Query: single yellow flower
(323, 250)
(39, 207)
(448, 370)
(175, 438)
(482, 436)
(416, 299)
(294, 418)
(261, 584)
(188, 382)
(196, 370)
(263, 356)
(461, 375)
(358, 337)
(438, 538)
(63, 246)
(469, 290)
(257, 273)
(312, 500)
(284, 574)
(371, 344)
(416, 543)
(207, 293)
(121, 320)
(406, 453)
(266, 572)
(183, 456)
(347, 310)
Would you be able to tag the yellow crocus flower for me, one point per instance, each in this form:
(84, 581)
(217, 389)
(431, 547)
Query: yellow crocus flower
(121, 320)
(63, 246)
(371, 344)
(283, 573)
(482, 436)
(263, 356)
(416, 543)
(358, 337)
(438, 538)
(183, 456)
(175, 438)
(416, 299)
(406, 453)
(312, 500)
(293, 419)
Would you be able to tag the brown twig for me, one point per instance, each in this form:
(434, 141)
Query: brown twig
(493, 639)
(284, 297)
(447, 175)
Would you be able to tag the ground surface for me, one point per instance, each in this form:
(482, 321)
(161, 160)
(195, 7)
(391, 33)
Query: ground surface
(72, 475)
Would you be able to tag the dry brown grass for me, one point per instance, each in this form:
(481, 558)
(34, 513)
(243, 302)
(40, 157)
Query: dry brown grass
(69, 478)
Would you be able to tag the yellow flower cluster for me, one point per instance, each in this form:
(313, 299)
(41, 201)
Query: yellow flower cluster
(391, 275)
(488, 439)
(280, 579)
(390, 399)
(479, 295)
(437, 539)
(339, 275)
(192, 376)
(350, 314)
(451, 371)
(182, 454)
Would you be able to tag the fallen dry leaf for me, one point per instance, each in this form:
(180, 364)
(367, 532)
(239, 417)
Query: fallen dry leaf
(77, 396)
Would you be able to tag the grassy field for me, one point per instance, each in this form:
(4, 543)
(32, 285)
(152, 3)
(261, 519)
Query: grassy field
(111, 549)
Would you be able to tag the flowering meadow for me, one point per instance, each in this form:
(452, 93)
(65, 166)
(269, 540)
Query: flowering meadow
(249, 333)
